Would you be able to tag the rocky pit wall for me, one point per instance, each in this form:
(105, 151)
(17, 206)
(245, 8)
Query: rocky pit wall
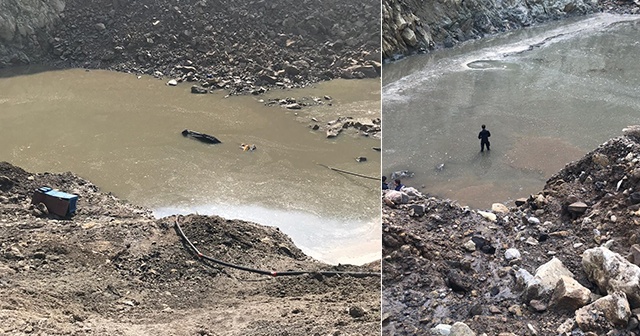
(25, 29)
(410, 26)
(239, 46)
(564, 261)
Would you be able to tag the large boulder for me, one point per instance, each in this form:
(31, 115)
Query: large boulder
(499, 207)
(604, 314)
(412, 192)
(612, 273)
(396, 197)
(569, 294)
(409, 37)
(543, 283)
(198, 89)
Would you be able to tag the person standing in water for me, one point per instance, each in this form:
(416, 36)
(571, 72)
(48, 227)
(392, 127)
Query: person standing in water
(484, 138)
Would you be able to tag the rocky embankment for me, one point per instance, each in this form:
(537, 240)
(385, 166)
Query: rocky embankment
(240, 46)
(410, 26)
(560, 262)
(25, 29)
(113, 269)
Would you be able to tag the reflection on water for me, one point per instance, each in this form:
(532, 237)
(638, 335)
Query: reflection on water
(124, 134)
(548, 95)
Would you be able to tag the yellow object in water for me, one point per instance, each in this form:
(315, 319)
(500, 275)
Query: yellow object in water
(247, 147)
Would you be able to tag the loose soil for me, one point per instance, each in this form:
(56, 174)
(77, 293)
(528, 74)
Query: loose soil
(113, 269)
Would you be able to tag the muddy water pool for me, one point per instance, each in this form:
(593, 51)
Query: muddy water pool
(548, 94)
(122, 132)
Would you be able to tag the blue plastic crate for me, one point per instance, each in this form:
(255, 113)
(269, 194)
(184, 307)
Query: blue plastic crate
(70, 199)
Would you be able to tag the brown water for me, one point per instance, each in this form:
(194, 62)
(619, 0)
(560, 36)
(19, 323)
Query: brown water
(123, 133)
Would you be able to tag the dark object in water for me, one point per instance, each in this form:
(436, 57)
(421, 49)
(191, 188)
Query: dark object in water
(206, 138)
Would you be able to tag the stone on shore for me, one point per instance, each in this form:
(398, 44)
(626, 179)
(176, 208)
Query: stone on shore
(488, 215)
(578, 208)
(198, 89)
(569, 294)
(612, 273)
(512, 253)
(461, 329)
(543, 283)
(396, 197)
(604, 314)
(499, 207)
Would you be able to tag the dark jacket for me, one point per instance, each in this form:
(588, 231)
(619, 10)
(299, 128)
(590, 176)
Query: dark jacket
(484, 135)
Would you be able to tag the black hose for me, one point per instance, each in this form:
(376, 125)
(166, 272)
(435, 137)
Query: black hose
(350, 173)
(263, 272)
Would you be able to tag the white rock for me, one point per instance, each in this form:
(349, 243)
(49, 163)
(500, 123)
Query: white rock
(469, 246)
(612, 273)
(397, 197)
(499, 207)
(532, 241)
(461, 329)
(441, 329)
(411, 191)
(532, 330)
(567, 326)
(523, 278)
(512, 253)
(629, 156)
(172, 82)
(533, 221)
(488, 215)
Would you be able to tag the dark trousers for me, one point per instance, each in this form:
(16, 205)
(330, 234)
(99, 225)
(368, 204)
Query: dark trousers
(483, 143)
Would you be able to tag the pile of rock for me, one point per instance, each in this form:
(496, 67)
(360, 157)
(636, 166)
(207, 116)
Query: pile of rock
(563, 261)
(237, 46)
(365, 127)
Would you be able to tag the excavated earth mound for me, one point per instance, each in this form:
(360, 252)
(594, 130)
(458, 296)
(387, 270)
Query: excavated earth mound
(444, 264)
(113, 269)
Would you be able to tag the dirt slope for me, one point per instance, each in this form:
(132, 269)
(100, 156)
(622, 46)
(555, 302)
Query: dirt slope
(114, 270)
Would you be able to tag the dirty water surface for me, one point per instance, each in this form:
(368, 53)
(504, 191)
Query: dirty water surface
(548, 95)
(123, 133)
